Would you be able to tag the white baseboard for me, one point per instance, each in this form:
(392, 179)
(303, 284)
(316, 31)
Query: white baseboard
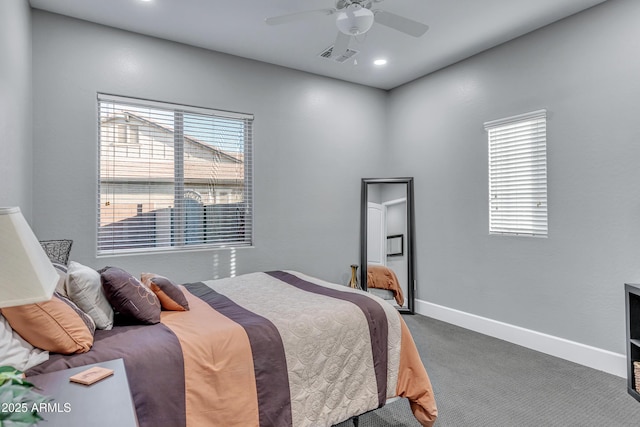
(593, 357)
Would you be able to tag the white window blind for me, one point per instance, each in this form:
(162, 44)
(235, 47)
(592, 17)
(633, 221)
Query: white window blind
(172, 177)
(518, 175)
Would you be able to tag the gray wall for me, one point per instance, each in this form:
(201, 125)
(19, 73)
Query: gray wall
(314, 139)
(585, 71)
(15, 106)
(309, 162)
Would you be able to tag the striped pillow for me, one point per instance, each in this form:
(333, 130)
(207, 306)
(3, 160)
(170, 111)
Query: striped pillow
(62, 271)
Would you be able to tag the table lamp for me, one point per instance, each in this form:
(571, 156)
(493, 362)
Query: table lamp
(26, 273)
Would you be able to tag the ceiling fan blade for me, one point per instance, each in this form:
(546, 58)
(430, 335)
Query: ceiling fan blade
(341, 45)
(400, 23)
(284, 19)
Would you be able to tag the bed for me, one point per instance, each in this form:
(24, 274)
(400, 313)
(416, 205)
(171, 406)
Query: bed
(265, 349)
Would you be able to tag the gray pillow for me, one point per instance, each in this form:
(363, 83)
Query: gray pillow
(85, 289)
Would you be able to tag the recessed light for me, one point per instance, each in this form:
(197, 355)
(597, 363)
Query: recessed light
(380, 61)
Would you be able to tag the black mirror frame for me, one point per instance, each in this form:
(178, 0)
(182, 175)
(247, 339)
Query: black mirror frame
(410, 236)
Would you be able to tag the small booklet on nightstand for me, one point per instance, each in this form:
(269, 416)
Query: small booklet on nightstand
(91, 375)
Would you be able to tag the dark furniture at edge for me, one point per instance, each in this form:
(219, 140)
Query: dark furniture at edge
(632, 304)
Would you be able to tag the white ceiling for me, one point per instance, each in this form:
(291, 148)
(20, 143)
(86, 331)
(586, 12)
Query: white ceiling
(458, 29)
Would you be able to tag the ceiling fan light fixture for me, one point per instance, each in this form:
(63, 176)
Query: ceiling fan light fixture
(354, 20)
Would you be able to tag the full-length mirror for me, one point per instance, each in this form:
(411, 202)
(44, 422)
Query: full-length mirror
(387, 240)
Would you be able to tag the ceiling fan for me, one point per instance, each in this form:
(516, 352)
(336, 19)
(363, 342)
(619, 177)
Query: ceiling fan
(353, 18)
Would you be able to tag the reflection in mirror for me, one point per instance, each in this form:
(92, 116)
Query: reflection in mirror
(386, 247)
(395, 245)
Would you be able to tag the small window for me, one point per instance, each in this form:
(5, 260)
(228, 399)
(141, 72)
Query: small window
(161, 169)
(518, 175)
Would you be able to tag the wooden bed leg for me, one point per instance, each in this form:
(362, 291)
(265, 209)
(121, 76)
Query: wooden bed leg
(356, 421)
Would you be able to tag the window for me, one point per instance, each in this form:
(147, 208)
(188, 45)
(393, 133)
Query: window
(518, 175)
(172, 177)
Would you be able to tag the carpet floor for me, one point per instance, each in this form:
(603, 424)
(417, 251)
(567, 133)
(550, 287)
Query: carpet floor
(483, 381)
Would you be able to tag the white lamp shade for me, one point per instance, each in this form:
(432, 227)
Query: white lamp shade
(354, 20)
(26, 273)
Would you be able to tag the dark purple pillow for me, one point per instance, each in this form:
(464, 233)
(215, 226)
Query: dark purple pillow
(170, 296)
(129, 298)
